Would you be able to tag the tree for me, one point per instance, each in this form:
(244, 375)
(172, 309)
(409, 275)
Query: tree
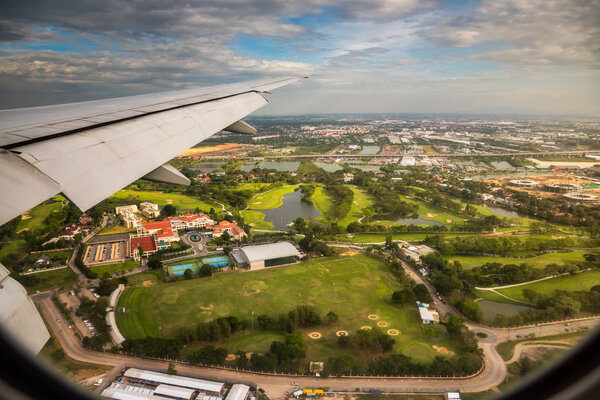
(188, 274)
(226, 236)
(169, 211)
(154, 263)
(206, 270)
(332, 317)
(454, 325)
(421, 293)
(403, 296)
(171, 369)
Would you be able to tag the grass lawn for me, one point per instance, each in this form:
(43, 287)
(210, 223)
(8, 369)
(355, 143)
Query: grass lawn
(256, 219)
(580, 281)
(428, 212)
(15, 249)
(115, 230)
(270, 199)
(469, 262)
(360, 201)
(75, 370)
(58, 278)
(353, 287)
(35, 216)
(323, 202)
(161, 198)
(380, 237)
(506, 349)
(114, 268)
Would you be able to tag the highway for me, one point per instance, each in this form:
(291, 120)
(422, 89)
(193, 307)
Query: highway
(276, 387)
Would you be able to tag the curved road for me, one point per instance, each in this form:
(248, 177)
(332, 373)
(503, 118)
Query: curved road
(277, 386)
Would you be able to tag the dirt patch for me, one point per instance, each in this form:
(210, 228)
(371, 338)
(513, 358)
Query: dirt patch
(443, 350)
(430, 215)
(382, 324)
(147, 283)
(449, 221)
(230, 357)
(25, 215)
(252, 224)
(342, 333)
(315, 335)
(393, 332)
(558, 237)
(169, 201)
(350, 253)
(373, 316)
(365, 328)
(206, 308)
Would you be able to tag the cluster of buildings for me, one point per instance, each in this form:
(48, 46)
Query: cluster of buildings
(141, 384)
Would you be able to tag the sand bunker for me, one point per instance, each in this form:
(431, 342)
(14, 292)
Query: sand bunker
(365, 328)
(449, 221)
(25, 215)
(443, 350)
(382, 324)
(373, 316)
(350, 253)
(169, 201)
(393, 332)
(147, 283)
(315, 335)
(207, 308)
(430, 215)
(342, 333)
(230, 357)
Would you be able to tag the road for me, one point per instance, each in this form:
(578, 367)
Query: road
(277, 386)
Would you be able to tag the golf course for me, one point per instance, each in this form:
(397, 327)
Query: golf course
(357, 288)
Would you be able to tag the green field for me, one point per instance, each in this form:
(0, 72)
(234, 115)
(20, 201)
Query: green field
(380, 237)
(35, 217)
(580, 281)
(115, 230)
(469, 262)
(114, 268)
(429, 212)
(14, 250)
(353, 287)
(360, 201)
(270, 199)
(40, 281)
(256, 219)
(178, 200)
(323, 202)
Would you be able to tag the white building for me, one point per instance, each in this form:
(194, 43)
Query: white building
(128, 215)
(238, 392)
(428, 316)
(266, 255)
(149, 209)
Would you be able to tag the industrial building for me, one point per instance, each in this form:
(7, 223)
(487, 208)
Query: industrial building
(266, 255)
(581, 197)
(560, 187)
(142, 384)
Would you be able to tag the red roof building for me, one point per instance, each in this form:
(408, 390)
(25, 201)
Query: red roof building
(231, 228)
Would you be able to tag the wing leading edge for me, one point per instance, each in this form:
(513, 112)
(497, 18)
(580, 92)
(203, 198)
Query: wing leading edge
(90, 150)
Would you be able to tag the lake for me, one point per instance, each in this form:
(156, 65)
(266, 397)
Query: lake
(417, 221)
(505, 213)
(329, 167)
(284, 166)
(491, 308)
(293, 206)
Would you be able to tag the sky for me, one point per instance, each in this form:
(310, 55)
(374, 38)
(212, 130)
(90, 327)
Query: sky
(362, 56)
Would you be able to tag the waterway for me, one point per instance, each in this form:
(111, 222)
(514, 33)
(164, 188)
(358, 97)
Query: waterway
(293, 206)
(284, 166)
(491, 308)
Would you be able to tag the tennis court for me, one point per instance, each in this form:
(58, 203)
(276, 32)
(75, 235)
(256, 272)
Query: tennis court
(178, 269)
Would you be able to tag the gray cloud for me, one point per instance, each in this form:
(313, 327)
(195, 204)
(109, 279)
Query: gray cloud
(528, 33)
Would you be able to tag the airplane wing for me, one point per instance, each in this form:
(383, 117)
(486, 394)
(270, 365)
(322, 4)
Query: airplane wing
(90, 150)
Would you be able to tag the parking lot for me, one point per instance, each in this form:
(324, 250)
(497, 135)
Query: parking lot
(107, 249)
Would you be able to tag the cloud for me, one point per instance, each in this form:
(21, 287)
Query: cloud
(530, 33)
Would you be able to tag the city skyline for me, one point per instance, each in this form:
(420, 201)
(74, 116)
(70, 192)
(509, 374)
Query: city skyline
(475, 57)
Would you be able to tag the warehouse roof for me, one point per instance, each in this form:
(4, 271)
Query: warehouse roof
(269, 251)
(175, 380)
(174, 391)
(238, 392)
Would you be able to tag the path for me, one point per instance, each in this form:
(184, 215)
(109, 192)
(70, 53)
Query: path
(530, 345)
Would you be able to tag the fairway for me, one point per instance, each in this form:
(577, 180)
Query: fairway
(256, 219)
(181, 201)
(580, 281)
(114, 268)
(360, 201)
(353, 287)
(469, 262)
(34, 218)
(270, 199)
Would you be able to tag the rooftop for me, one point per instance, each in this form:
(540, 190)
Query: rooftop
(269, 251)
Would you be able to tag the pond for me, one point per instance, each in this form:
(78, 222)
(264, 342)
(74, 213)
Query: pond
(369, 150)
(417, 221)
(491, 308)
(284, 166)
(505, 213)
(293, 206)
(329, 167)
